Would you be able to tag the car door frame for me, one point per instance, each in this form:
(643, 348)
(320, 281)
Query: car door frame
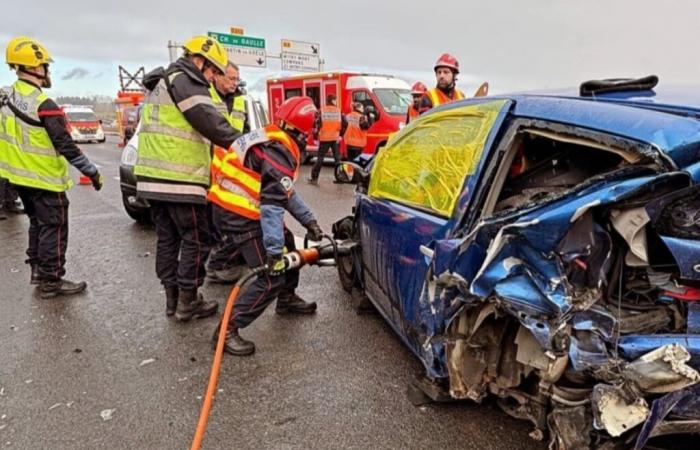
(405, 330)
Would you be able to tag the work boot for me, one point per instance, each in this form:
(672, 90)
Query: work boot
(312, 181)
(225, 276)
(54, 288)
(191, 304)
(293, 304)
(170, 300)
(35, 279)
(234, 345)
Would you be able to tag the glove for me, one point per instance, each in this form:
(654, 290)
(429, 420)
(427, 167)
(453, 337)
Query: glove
(275, 265)
(314, 232)
(97, 180)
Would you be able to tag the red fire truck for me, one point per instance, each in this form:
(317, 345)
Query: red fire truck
(388, 95)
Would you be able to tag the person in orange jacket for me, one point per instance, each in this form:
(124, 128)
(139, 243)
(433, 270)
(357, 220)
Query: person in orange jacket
(417, 91)
(356, 133)
(330, 125)
(446, 71)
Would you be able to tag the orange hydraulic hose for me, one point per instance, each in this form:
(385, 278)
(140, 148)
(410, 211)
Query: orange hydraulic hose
(215, 368)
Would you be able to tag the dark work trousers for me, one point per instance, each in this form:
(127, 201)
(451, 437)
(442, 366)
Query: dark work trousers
(225, 253)
(354, 152)
(183, 243)
(323, 148)
(8, 193)
(48, 230)
(257, 295)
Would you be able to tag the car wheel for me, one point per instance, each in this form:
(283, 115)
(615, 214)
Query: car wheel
(346, 264)
(141, 215)
(102, 141)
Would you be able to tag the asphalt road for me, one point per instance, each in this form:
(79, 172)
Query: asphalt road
(108, 370)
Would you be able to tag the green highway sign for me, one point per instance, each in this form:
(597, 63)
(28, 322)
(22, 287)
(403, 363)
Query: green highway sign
(237, 40)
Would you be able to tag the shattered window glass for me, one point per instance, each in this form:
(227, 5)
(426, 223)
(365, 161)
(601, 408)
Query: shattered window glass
(425, 166)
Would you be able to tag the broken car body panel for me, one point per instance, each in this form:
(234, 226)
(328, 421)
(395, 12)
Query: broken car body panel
(559, 274)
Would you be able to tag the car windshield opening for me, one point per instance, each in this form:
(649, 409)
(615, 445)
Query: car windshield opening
(545, 164)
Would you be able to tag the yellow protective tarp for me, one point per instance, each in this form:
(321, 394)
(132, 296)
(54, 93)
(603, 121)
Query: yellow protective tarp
(426, 163)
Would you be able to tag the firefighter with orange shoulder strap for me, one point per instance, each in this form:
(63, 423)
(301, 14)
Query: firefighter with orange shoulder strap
(252, 187)
(356, 133)
(35, 150)
(417, 91)
(446, 71)
(329, 126)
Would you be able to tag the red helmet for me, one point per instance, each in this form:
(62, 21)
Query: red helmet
(299, 113)
(418, 88)
(449, 61)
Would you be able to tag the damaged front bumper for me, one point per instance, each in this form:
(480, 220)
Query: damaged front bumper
(581, 314)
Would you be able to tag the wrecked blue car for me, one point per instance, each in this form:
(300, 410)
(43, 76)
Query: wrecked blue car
(544, 249)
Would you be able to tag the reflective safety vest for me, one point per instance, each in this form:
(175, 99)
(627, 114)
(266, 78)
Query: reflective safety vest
(170, 149)
(27, 155)
(412, 113)
(437, 97)
(330, 123)
(236, 118)
(235, 187)
(354, 135)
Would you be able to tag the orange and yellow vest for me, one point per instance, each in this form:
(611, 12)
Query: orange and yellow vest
(235, 187)
(330, 123)
(412, 113)
(354, 135)
(437, 97)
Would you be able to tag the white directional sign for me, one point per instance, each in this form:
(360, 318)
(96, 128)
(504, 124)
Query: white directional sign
(301, 56)
(243, 50)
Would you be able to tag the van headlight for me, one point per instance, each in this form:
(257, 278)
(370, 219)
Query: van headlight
(129, 156)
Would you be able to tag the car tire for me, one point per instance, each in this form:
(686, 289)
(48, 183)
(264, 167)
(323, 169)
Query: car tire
(102, 141)
(346, 264)
(140, 215)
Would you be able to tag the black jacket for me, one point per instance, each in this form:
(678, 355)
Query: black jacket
(203, 117)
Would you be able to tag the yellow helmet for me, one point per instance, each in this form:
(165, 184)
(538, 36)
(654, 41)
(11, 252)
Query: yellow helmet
(27, 52)
(210, 49)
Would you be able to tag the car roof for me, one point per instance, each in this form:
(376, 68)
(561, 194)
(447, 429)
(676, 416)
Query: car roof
(666, 121)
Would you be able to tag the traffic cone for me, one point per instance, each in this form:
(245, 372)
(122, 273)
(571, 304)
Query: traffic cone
(84, 180)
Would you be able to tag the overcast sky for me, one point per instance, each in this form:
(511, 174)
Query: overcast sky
(515, 45)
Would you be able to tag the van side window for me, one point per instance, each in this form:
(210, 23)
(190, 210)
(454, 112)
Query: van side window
(314, 93)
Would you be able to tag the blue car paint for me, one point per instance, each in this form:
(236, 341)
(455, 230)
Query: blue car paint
(397, 269)
(633, 346)
(687, 254)
(679, 137)
(392, 235)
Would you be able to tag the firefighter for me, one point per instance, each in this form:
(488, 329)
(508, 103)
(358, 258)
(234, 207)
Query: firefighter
(329, 126)
(225, 261)
(356, 133)
(179, 122)
(34, 157)
(229, 98)
(417, 91)
(446, 71)
(253, 185)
